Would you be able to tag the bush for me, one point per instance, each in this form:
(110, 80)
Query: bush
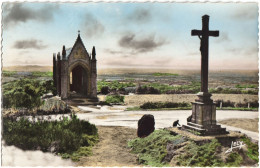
(158, 105)
(115, 99)
(152, 90)
(105, 90)
(224, 103)
(65, 136)
(141, 90)
(25, 93)
(113, 85)
(8, 73)
(42, 74)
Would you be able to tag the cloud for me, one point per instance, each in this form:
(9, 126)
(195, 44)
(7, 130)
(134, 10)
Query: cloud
(113, 51)
(33, 43)
(223, 37)
(140, 15)
(247, 12)
(19, 13)
(141, 44)
(121, 61)
(251, 51)
(92, 26)
(245, 52)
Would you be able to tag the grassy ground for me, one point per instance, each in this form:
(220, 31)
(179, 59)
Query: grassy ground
(163, 148)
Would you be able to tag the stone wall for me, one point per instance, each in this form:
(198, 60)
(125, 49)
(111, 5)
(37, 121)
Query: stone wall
(137, 100)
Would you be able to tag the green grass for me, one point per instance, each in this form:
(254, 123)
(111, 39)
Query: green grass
(200, 156)
(114, 84)
(151, 150)
(42, 74)
(246, 86)
(252, 149)
(193, 87)
(71, 137)
(233, 160)
(115, 99)
(164, 74)
(8, 73)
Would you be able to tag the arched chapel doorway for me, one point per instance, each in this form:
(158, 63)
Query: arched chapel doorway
(79, 81)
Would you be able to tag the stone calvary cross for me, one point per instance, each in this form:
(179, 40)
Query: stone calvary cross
(203, 120)
(204, 48)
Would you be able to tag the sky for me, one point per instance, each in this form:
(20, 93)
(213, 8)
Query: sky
(132, 35)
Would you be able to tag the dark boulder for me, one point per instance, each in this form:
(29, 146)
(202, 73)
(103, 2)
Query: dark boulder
(189, 118)
(105, 90)
(145, 125)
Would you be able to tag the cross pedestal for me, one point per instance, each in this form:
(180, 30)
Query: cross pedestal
(203, 120)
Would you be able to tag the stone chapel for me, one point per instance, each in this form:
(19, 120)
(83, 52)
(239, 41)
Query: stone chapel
(75, 71)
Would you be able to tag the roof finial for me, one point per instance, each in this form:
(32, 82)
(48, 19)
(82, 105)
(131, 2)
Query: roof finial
(78, 32)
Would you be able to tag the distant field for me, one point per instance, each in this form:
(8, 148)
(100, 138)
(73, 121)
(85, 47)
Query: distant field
(220, 81)
(28, 68)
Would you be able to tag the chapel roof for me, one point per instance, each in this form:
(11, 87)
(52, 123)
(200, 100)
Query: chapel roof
(78, 40)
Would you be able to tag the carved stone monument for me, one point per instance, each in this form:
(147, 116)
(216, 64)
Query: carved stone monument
(203, 109)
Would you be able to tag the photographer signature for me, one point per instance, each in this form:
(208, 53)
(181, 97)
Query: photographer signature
(237, 144)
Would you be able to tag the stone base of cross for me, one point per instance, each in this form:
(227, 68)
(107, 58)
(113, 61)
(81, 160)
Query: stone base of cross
(204, 98)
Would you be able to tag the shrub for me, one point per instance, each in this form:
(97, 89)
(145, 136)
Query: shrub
(113, 85)
(8, 73)
(254, 104)
(152, 90)
(115, 99)
(41, 74)
(158, 105)
(141, 90)
(105, 90)
(66, 136)
(25, 93)
(224, 103)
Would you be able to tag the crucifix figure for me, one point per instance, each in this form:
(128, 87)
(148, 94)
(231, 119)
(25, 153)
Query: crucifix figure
(204, 48)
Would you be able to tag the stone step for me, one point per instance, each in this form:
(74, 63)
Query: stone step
(82, 101)
(195, 125)
(193, 128)
(214, 130)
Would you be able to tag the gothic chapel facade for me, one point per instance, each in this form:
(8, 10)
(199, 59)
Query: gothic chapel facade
(75, 71)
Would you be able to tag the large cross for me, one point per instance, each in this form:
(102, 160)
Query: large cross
(204, 48)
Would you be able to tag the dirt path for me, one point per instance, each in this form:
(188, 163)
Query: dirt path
(244, 123)
(112, 149)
